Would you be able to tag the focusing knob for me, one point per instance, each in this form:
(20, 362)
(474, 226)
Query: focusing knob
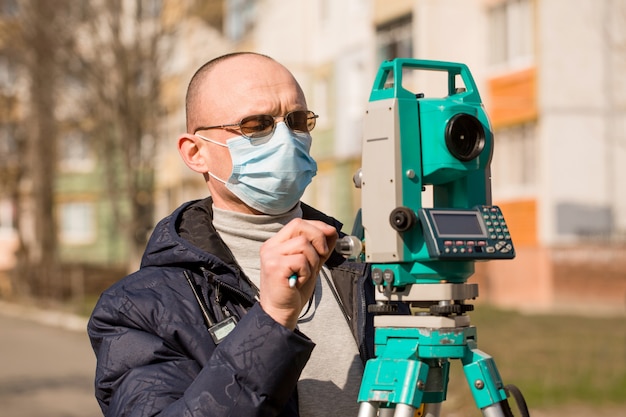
(357, 179)
(402, 219)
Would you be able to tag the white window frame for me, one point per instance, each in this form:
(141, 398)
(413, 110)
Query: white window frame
(7, 218)
(515, 166)
(77, 223)
(75, 153)
(511, 34)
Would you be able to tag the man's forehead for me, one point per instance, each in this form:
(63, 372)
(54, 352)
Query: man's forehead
(246, 80)
(250, 70)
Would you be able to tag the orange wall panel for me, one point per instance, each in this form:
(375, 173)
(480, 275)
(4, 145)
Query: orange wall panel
(521, 217)
(513, 98)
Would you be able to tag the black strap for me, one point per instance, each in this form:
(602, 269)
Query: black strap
(331, 285)
(206, 315)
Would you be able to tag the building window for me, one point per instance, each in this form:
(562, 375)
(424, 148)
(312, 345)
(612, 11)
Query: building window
(321, 100)
(75, 153)
(514, 161)
(240, 18)
(151, 8)
(8, 74)
(395, 39)
(511, 29)
(350, 104)
(8, 7)
(7, 216)
(77, 223)
(8, 145)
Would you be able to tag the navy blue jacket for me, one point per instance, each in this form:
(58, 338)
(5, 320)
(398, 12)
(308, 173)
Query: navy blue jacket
(155, 356)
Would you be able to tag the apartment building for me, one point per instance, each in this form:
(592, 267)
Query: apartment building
(549, 73)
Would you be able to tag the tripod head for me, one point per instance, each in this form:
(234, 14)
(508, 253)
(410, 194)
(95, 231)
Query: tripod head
(412, 141)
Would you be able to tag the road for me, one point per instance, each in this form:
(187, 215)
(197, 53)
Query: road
(47, 366)
(46, 369)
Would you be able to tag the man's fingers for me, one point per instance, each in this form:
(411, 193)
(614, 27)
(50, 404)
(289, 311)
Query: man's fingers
(319, 234)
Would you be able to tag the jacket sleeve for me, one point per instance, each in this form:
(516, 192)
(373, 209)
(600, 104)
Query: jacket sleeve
(253, 372)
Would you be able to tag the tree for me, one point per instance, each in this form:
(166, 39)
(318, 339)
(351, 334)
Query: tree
(93, 65)
(119, 62)
(37, 32)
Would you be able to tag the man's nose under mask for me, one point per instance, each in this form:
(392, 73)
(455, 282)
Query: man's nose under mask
(270, 175)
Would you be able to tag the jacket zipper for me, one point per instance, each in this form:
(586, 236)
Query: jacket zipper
(236, 291)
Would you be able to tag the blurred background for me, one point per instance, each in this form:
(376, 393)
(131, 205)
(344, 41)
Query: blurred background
(92, 100)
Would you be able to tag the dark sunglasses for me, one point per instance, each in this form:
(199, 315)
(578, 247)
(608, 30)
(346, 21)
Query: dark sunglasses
(261, 125)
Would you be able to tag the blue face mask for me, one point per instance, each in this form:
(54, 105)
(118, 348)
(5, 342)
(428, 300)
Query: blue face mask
(271, 173)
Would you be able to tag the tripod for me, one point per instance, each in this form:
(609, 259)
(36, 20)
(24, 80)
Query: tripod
(409, 376)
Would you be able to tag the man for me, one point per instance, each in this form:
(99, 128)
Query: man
(233, 303)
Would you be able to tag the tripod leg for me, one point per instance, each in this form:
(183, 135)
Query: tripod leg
(404, 410)
(367, 409)
(371, 409)
(432, 409)
(394, 378)
(484, 381)
(494, 411)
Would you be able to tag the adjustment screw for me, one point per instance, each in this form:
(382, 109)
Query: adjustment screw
(479, 384)
(421, 385)
(377, 276)
(388, 276)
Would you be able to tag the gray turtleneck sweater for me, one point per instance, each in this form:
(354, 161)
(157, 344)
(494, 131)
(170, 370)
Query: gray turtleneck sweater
(330, 382)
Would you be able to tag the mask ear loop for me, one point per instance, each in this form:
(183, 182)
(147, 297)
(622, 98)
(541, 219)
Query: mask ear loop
(212, 175)
(212, 141)
(216, 143)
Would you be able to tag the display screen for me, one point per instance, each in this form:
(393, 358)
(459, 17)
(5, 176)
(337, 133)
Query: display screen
(458, 224)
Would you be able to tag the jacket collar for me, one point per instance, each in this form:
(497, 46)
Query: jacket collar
(187, 237)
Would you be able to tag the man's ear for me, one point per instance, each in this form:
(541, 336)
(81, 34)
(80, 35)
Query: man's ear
(190, 150)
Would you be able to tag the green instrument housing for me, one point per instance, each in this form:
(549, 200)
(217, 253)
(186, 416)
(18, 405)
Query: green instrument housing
(411, 142)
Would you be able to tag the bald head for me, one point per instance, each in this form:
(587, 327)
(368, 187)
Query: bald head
(240, 81)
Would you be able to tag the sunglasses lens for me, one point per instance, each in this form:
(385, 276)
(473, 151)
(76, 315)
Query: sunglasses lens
(301, 121)
(262, 125)
(257, 126)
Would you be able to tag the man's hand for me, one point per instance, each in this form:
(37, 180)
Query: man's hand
(300, 248)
